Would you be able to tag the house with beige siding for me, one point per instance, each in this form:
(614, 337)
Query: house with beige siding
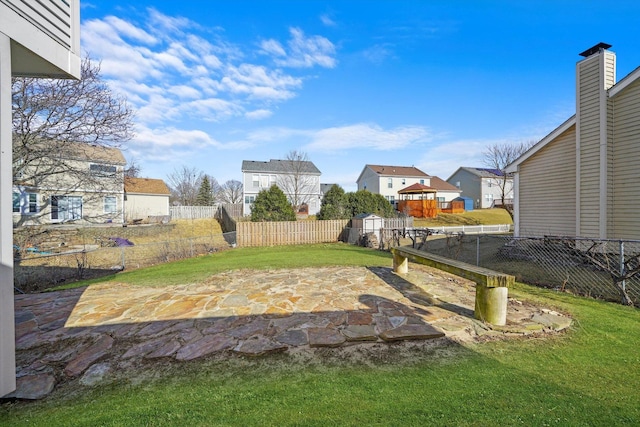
(145, 198)
(70, 182)
(388, 180)
(582, 179)
(36, 39)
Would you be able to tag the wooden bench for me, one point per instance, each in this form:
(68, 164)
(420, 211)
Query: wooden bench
(491, 286)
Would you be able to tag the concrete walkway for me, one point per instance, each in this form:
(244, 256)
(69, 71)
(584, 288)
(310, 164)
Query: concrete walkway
(84, 334)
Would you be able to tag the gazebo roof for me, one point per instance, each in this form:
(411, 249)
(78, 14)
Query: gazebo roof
(417, 189)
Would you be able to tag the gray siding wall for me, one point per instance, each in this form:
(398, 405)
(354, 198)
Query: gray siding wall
(548, 189)
(626, 173)
(469, 184)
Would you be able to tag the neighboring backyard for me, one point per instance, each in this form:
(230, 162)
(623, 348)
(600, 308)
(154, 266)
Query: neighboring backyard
(586, 376)
(476, 217)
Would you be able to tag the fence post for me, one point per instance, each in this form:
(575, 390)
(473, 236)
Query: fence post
(122, 256)
(622, 272)
(478, 250)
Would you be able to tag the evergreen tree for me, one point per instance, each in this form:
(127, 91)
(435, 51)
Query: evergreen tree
(364, 202)
(272, 205)
(334, 204)
(205, 196)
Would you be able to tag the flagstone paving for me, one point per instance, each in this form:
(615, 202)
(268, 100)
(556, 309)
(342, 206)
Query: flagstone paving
(84, 334)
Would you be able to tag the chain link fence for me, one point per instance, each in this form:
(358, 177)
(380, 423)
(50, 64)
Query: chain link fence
(37, 272)
(603, 269)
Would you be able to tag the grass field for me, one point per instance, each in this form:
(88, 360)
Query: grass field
(588, 376)
(475, 217)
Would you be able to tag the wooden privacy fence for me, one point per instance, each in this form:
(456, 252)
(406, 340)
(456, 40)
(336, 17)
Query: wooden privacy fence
(193, 212)
(288, 232)
(199, 212)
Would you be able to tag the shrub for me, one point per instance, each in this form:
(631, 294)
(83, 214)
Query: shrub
(272, 205)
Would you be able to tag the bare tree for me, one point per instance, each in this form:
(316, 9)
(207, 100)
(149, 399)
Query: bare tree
(133, 169)
(184, 183)
(299, 179)
(216, 190)
(231, 192)
(60, 125)
(498, 157)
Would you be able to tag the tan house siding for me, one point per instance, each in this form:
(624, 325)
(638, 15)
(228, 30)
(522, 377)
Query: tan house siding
(145, 197)
(142, 206)
(626, 174)
(548, 189)
(588, 133)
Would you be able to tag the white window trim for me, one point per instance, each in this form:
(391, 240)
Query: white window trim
(115, 205)
(25, 203)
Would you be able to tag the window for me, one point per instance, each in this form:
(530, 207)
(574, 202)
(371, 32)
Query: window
(102, 170)
(26, 203)
(66, 208)
(390, 183)
(440, 199)
(391, 199)
(488, 197)
(264, 181)
(422, 181)
(256, 181)
(33, 202)
(16, 202)
(249, 200)
(404, 181)
(110, 204)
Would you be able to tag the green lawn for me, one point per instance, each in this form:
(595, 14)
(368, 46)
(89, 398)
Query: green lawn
(588, 376)
(475, 217)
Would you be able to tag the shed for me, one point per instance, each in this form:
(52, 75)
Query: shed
(468, 202)
(368, 223)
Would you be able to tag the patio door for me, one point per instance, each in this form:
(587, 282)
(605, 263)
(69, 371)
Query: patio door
(66, 208)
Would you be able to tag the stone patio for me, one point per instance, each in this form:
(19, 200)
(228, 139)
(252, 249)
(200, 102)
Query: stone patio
(85, 334)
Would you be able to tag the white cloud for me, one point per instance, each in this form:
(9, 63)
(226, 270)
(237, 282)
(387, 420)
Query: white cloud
(169, 68)
(259, 82)
(378, 53)
(303, 52)
(326, 20)
(163, 23)
(258, 114)
(272, 47)
(364, 135)
(185, 92)
(126, 29)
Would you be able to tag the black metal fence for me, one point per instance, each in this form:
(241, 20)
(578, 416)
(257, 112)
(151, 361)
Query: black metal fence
(604, 269)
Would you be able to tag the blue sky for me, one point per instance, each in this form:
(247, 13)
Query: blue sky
(349, 83)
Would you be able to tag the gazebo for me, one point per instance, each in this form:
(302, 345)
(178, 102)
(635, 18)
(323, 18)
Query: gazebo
(418, 200)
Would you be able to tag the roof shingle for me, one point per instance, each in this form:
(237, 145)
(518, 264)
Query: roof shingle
(145, 186)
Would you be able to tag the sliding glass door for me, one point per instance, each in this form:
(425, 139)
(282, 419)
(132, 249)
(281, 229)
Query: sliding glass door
(66, 208)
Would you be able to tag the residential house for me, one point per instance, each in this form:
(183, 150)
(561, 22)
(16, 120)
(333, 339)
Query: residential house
(389, 180)
(76, 182)
(582, 179)
(40, 40)
(145, 199)
(484, 186)
(299, 180)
